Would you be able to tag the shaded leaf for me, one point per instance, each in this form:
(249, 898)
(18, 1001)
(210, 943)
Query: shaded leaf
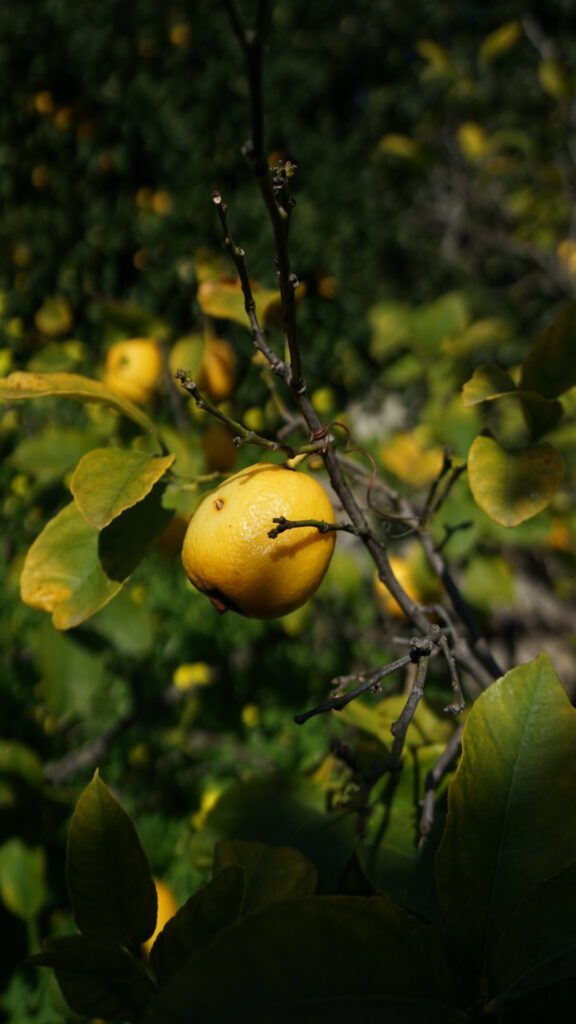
(107, 481)
(62, 572)
(21, 385)
(316, 959)
(124, 542)
(274, 812)
(513, 486)
(21, 761)
(109, 881)
(512, 805)
(273, 873)
(198, 923)
(538, 946)
(22, 878)
(95, 979)
(550, 366)
(127, 625)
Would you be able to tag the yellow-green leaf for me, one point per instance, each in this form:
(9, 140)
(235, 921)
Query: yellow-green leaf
(54, 316)
(439, 63)
(107, 481)
(499, 41)
(553, 79)
(399, 145)
(224, 299)
(21, 385)
(487, 382)
(425, 728)
(62, 571)
(511, 487)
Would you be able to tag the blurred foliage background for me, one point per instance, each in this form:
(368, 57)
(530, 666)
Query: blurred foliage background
(434, 231)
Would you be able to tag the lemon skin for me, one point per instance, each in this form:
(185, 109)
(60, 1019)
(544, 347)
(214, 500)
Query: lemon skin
(134, 368)
(228, 555)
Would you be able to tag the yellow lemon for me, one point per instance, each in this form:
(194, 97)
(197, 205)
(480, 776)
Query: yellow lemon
(167, 907)
(229, 556)
(134, 368)
(217, 373)
(403, 572)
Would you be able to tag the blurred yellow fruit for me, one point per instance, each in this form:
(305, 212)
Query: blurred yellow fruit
(219, 449)
(167, 907)
(134, 368)
(187, 677)
(161, 203)
(253, 418)
(180, 35)
(324, 401)
(229, 556)
(217, 372)
(251, 716)
(54, 316)
(404, 573)
(44, 102)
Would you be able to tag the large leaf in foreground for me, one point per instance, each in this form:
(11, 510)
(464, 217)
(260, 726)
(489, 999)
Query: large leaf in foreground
(512, 805)
(62, 572)
(273, 873)
(511, 487)
(107, 481)
(539, 944)
(20, 385)
(317, 959)
(111, 889)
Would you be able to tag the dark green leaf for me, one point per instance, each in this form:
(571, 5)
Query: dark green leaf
(512, 805)
(111, 889)
(273, 873)
(197, 924)
(538, 946)
(550, 366)
(97, 980)
(317, 959)
(123, 544)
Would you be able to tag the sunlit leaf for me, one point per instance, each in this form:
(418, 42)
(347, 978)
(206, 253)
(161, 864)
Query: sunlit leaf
(107, 481)
(439, 62)
(377, 718)
(62, 572)
(316, 959)
(20, 761)
(111, 888)
(500, 41)
(513, 486)
(224, 299)
(487, 382)
(399, 145)
(512, 805)
(553, 79)
(21, 385)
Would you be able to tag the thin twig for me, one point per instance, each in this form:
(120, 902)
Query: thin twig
(368, 683)
(423, 648)
(434, 778)
(320, 524)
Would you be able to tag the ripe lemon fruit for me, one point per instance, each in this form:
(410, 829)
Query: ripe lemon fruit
(217, 372)
(134, 368)
(167, 907)
(228, 555)
(404, 573)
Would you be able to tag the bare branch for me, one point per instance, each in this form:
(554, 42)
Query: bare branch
(320, 524)
(434, 778)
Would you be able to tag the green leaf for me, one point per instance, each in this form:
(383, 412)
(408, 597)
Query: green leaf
(107, 481)
(21, 385)
(389, 849)
(550, 366)
(273, 873)
(124, 542)
(511, 805)
(127, 625)
(486, 383)
(499, 42)
(274, 812)
(490, 382)
(22, 878)
(224, 300)
(433, 323)
(111, 888)
(538, 946)
(62, 572)
(315, 960)
(97, 980)
(391, 324)
(20, 761)
(198, 923)
(513, 486)
(377, 718)
(48, 456)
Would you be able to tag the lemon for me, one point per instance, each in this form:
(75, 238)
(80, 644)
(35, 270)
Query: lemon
(217, 373)
(229, 556)
(167, 907)
(403, 572)
(134, 368)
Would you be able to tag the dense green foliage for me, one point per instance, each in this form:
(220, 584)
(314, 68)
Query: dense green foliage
(433, 234)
